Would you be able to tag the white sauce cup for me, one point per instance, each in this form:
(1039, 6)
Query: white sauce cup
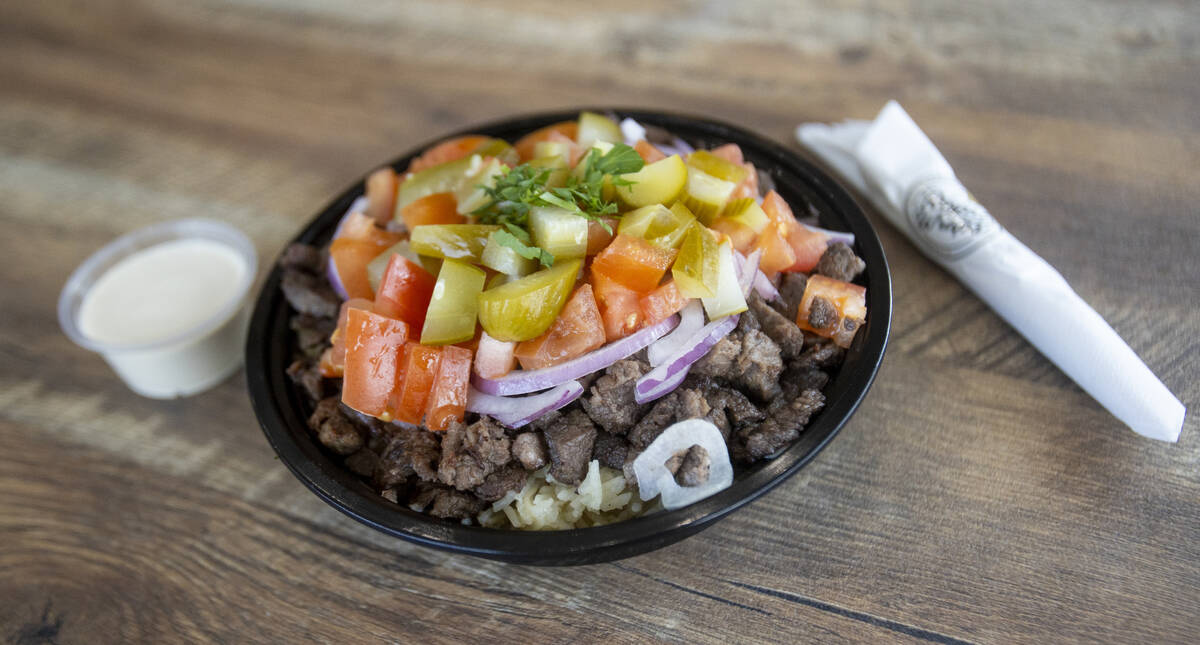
(190, 360)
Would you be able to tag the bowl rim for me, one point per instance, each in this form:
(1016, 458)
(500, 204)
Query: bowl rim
(269, 388)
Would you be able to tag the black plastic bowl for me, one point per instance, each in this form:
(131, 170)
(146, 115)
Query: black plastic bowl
(282, 410)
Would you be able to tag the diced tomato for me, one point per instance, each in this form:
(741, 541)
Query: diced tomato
(661, 303)
(438, 208)
(634, 262)
(598, 238)
(849, 302)
(404, 292)
(730, 152)
(807, 244)
(381, 194)
(649, 153)
(448, 150)
(748, 187)
(525, 144)
(333, 360)
(577, 331)
(618, 307)
(494, 358)
(741, 236)
(777, 255)
(448, 399)
(373, 345)
(350, 259)
(361, 228)
(358, 241)
(420, 366)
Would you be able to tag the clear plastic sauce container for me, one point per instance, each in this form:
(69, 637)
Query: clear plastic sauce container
(165, 305)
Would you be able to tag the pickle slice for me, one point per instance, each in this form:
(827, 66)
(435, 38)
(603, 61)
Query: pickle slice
(472, 194)
(716, 166)
(498, 257)
(560, 232)
(454, 304)
(648, 222)
(595, 127)
(451, 241)
(747, 212)
(706, 195)
(697, 265)
(658, 183)
(442, 178)
(525, 308)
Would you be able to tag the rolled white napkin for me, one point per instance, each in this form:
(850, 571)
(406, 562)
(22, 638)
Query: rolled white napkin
(893, 163)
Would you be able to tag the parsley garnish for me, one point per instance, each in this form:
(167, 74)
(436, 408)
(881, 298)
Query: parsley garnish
(524, 187)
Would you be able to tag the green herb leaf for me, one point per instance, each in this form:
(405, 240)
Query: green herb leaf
(523, 249)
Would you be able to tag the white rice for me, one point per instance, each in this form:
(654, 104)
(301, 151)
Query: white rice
(602, 497)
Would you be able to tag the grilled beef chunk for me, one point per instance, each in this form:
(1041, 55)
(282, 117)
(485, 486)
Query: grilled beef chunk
(840, 263)
(471, 453)
(570, 441)
(312, 333)
(309, 294)
(334, 429)
(363, 463)
(683, 403)
(738, 411)
(718, 362)
(791, 292)
(500, 482)
(821, 313)
(611, 404)
(528, 449)
(445, 502)
(821, 353)
(692, 466)
(758, 367)
(306, 375)
(302, 257)
(610, 450)
(784, 422)
(782, 330)
(408, 452)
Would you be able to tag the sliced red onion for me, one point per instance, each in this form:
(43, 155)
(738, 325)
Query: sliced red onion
(632, 131)
(516, 411)
(690, 321)
(335, 280)
(834, 236)
(657, 382)
(764, 287)
(758, 280)
(654, 479)
(525, 381)
(674, 380)
(747, 270)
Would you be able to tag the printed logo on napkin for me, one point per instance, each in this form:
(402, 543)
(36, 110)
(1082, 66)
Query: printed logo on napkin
(947, 219)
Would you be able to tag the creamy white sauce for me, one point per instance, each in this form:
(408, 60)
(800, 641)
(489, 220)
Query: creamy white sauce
(161, 292)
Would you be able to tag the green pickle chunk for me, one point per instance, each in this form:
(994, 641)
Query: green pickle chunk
(454, 305)
(451, 241)
(525, 308)
(697, 265)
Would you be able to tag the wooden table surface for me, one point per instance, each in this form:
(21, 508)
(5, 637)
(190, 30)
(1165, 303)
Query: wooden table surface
(978, 495)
